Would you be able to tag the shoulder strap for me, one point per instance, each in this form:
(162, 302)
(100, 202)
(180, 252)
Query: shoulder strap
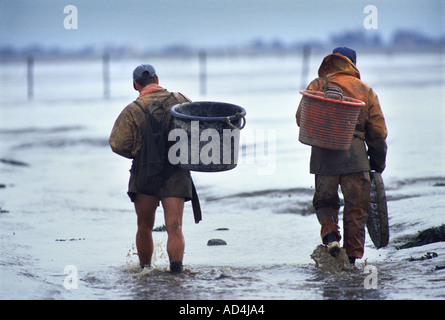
(161, 103)
(157, 105)
(325, 88)
(139, 105)
(332, 89)
(196, 205)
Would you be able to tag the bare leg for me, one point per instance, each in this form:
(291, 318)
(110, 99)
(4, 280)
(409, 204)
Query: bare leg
(145, 207)
(173, 211)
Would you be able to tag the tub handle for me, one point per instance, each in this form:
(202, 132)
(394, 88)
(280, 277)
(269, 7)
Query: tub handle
(235, 127)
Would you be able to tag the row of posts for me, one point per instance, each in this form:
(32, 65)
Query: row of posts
(202, 56)
(105, 76)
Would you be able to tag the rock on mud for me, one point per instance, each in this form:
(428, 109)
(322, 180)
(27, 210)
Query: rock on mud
(14, 162)
(216, 242)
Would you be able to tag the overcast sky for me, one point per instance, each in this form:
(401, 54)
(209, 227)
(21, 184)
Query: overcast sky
(201, 23)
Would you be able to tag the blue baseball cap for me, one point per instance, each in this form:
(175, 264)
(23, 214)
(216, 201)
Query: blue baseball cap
(143, 71)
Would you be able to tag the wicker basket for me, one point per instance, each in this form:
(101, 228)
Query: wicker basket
(328, 122)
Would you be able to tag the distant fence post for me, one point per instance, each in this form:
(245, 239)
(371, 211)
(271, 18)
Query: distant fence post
(106, 74)
(30, 76)
(203, 72)
(305, 66)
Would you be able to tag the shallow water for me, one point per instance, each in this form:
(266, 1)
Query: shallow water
(66, 204)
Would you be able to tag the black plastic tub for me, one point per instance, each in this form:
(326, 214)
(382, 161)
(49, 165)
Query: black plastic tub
(207, 135)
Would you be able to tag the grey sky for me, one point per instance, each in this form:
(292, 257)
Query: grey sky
(200, 23)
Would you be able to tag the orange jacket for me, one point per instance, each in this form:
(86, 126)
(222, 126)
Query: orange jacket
(340, 72)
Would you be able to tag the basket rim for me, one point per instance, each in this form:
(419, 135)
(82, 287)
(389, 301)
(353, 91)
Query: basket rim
(318, 95)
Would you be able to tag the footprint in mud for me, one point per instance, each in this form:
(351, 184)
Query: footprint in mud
(328, 263)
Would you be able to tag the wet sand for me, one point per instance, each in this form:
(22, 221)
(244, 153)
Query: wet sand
(67, 207)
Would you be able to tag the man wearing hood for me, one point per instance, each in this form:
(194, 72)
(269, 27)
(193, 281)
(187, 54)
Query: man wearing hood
(349, 168)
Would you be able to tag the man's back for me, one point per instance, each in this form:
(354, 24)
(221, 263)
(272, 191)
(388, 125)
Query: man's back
(338, 71)
(130, 126)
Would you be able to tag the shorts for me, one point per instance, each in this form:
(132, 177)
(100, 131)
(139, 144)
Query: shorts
(178, 184)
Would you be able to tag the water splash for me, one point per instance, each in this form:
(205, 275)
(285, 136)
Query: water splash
(328, 263)
(159, 259)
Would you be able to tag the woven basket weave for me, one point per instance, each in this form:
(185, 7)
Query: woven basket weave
(327, 122)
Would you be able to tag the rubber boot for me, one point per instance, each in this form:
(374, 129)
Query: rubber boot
(176, 267)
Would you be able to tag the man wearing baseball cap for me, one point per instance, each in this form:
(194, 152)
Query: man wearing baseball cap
(126, 139)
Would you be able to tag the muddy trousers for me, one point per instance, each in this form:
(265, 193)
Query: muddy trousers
(355, 188)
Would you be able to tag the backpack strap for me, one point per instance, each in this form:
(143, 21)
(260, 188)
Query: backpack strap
(331, 89)
(325, 88)
(139, 105)
(156, 106)
(195, 204)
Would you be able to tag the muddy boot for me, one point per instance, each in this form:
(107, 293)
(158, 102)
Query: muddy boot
(333, 245)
